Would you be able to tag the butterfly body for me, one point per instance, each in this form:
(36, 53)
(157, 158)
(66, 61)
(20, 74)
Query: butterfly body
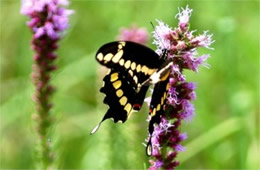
(132, 68)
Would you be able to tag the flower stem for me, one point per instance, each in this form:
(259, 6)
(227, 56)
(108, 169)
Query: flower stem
(43, 91)
(48, 19)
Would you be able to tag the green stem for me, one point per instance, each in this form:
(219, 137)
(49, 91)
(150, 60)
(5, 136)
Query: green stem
(41, 79)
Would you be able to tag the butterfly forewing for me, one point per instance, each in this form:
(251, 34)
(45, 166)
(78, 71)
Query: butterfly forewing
(138, 61)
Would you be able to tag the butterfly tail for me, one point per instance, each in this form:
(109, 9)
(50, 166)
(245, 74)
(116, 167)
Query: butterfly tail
(149, 147)
(107, 116)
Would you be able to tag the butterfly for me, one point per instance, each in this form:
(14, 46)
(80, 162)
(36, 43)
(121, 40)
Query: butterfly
(132, 69)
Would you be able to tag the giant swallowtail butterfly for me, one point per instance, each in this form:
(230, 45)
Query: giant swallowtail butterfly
(132, 68)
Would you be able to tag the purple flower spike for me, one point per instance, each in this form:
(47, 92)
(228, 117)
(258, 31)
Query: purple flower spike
(184, 17)
(182, 45)
(48, 20)
(203, 40)
(187, 111)
(135, 34)
(156, 165)
(47, 16)
(183, 136)
(160, 33)
(172, 96)
(179, 148)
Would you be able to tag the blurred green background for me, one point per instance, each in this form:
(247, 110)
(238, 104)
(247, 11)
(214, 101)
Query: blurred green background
(224, 134)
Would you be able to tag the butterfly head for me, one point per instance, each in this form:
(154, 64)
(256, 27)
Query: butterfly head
(165, 53)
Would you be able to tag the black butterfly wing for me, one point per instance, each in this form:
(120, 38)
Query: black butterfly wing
(157, 103)
(131, 64)
(120, 96)
(157, 107)
(139, 61)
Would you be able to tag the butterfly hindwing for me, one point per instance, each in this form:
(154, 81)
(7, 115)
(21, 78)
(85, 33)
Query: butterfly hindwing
(157, 102)
(120, 96)
(157, 108)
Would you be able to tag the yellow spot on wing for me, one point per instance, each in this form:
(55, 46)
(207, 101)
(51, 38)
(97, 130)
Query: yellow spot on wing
(120, 46)
(138, 68)
(128, 108)
(164, 95)
(118, 55)
(117, 84)
(154, 112)
(122, 62)
(136, 79)
(123, 100)
(131, 73)
(127, 64)
(119, 93)
(122, 43)
(158, 107)
(100, 56)
(168, 86)
(108, 57)
(151, 71)
(114, 77)
(162, 100)
(145, 69)
(133, 65)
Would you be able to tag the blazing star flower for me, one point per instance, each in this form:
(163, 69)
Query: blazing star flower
(48, 20)
(203, 40)
(135, 34)
(160, 40)
(184, 17)
(182, 46)
(47, 16)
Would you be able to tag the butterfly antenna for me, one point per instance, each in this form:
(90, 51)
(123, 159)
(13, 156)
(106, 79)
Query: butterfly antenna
(152, 25)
